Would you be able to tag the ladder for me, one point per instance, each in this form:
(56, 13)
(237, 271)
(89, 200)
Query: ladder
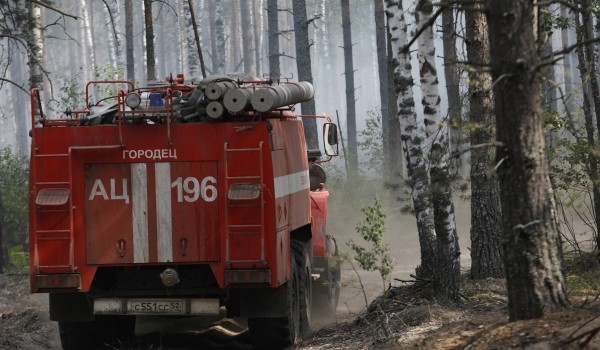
(49, 198)
(233, 229)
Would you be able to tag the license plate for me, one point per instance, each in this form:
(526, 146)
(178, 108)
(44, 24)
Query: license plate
(155, 307)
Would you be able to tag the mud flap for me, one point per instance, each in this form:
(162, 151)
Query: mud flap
(263, 302)
(70, 307)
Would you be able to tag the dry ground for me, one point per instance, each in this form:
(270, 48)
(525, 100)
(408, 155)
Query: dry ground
(402, 318)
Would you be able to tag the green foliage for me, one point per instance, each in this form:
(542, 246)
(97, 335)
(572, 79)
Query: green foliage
(14, 175)
(549, 21)
(18, 261)
(370, 143)
(377, 257)
(70, 94)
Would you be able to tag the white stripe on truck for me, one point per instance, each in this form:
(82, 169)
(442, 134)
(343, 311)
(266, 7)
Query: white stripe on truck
(139, 201)
(163, 212)
(291, 183)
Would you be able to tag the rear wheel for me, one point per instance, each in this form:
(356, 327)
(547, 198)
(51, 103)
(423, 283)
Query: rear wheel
(303, 261)
(96, 334)
(279, 333)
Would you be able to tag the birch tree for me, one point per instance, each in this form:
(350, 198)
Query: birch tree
(448, 265)
(535, 282)
(486, 219)
(192, 53)
(412, 136)
(220, 36)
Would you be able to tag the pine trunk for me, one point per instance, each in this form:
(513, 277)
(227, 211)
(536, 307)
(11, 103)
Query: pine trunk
(452, 75)
(149, 26)
(303, 64)
(248, 37)
(382, 63)
(129, 40)
(535, 281)
(486, 220)
(273, 28)
(352, 154)
(3, 245)
(590, 56)
(411, 137)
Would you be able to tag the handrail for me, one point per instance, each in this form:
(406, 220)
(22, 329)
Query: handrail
(94, 82)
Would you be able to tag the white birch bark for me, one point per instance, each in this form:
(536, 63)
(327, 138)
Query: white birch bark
(412, 135)
(448, 273)
(90, 70)
(219, 27)
(192, 52)
(112, 39)
(182, 39)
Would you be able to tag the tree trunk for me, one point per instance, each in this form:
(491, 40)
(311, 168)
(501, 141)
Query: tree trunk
(273, 28)
(447, 279)
(129, 40)
(220, 31)
(36, 46)
(452, 75)
(248, 37)
(236, 37)
(382, 65)
(486, 220)
(350, 99)
(192, 53)
(258, 33)
(567, 67)
(412, 136)
(149, 26)
(3, 247)
(588, 35)
(535, 281)
(303, 64)
(198, 46)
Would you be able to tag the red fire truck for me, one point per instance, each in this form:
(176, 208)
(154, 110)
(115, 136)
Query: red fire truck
(181, 200)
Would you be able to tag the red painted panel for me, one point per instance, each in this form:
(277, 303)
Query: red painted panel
(108, 215)
(194, 199)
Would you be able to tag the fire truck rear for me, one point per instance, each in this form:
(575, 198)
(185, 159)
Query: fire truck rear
(181, 200)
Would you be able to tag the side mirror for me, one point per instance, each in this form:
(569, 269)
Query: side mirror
(330, 139)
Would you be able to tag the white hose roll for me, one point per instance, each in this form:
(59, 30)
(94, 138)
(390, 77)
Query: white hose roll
(215, 110)
(215, 91)
(237, 100)
(273, 97)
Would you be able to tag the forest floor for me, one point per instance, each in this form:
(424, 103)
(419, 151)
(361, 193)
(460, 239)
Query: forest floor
(404, 317)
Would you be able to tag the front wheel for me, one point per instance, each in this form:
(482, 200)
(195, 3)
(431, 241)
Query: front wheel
(327, 287)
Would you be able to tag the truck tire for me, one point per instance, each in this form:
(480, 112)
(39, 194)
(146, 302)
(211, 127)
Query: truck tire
(303, 261)
(279, 333)
(96, 334)
(327, 288)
